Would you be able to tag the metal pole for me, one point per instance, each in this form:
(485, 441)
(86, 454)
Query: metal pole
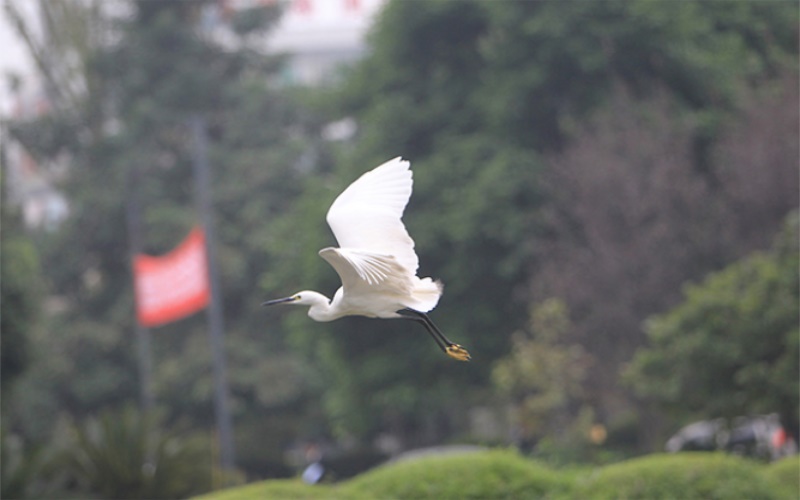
(216, 329)
(134, 219)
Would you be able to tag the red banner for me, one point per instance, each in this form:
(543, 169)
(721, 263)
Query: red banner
(172, 286)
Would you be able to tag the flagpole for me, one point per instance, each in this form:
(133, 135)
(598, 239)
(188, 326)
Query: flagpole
(134, 220)
(202, 183)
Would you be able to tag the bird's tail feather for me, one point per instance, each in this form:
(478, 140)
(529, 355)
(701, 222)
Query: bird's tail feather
(425, 295)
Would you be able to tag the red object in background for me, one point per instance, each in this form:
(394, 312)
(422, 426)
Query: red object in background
(303, 6)
(779, 438)
(174, 285)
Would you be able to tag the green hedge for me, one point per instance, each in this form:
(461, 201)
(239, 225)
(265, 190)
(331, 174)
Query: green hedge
(284, 489)
(484, 474)
(505, 474)
(786, 474)
(706, 476)
(480, 475)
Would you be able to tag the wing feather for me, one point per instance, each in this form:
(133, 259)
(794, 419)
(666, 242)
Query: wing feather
(367, 215)
(363, 272)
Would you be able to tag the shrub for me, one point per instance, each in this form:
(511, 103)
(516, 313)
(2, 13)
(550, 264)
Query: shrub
(285, 489)
(785, 474)
(704, 476)
(489, 474)
(483, 474)
(123, 454)
(503, 474)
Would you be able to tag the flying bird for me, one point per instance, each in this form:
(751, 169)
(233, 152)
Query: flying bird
(375, 259)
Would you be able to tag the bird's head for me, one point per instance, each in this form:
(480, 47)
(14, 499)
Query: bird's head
(304, 298)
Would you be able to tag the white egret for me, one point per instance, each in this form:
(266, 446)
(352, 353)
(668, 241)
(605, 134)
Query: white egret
(375, 259)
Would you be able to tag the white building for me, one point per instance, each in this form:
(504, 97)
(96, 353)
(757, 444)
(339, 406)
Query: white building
(318, 36)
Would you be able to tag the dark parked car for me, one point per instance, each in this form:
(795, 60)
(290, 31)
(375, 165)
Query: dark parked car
(760, 436)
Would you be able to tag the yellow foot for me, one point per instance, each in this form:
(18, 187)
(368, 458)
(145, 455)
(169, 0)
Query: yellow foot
(455, 351)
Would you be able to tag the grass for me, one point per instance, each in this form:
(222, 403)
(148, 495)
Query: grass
(489, 474)
(501, 474)
(293, 489)
(706, 476)
(786, 474)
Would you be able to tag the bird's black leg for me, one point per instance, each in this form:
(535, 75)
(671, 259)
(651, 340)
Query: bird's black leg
(426, 320)
(407, 314)
(450, 348)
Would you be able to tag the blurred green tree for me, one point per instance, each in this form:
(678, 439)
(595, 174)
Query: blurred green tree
(146, 72)
(414, 96)
(122, 454)
(553, 62)
(731, 347)
(544, 377)
(28, 470)
(20, 292)
(631, 219)
(480, 96)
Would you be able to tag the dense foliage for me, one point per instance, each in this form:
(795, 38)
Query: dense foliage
(125, 455)
(127, 138)
(20, 293)
(545, 376)
(732, 347)
(699, 475)
(501, 474)
(575, 163)
(597, 153)
(497, 474)
(786, 474)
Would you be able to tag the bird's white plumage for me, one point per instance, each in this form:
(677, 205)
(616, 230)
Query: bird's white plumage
(376, 259)
(366, 216)
(372, 284)
(361, 267)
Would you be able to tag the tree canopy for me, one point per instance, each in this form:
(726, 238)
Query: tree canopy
(731, 347)
(152, 72)
(561, 149)
(581, 160)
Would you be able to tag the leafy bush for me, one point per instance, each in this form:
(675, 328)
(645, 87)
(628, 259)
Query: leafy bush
(288, 489)
(786, 474)
(25, 469)
(704, 476)
(731, 347)
(504, 474)
(492, 474)
(123, 454)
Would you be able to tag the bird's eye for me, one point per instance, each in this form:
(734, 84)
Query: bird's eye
(297, 297)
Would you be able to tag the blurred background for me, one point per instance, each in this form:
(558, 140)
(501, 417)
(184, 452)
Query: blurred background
(608, 191)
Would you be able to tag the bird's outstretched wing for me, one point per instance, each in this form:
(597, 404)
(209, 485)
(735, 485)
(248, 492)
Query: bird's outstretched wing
(366, 216)
(363, 272)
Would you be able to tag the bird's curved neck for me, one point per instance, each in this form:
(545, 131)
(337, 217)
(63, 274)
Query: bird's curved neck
(322, 309)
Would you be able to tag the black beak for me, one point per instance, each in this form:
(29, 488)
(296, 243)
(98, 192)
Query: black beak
(278, 301)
